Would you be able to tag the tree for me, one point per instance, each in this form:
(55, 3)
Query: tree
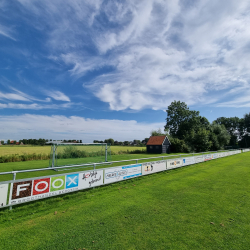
(202, 142)
(8, 142)
(219, 136)
(235, 126)
(110, 141)
(178, 146)
(181, 121)
(157, 132)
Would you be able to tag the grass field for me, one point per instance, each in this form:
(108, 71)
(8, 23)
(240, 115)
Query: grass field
(21, 153)
(23, 149)
(202, 206)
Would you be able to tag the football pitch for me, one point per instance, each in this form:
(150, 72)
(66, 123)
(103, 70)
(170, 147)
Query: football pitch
(201, 206)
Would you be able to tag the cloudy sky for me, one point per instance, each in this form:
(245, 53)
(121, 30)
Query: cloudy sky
(95, 69)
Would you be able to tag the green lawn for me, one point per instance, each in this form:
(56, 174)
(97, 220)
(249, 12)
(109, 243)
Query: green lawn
(202, 206)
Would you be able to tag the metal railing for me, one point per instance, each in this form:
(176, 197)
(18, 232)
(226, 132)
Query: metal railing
(14, 173)
(103, 163)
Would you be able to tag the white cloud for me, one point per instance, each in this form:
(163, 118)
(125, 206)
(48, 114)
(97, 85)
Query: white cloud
(58, 95)
(34, 106)
(7, 32)
(13, 96)
(160, 51)
(62, 127)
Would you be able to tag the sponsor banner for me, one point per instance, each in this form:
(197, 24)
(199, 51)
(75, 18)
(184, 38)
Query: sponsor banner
(3, 194)
(199, 158)
(219, 155)
(121, 173)
(208, 157)
(188, 161)
(176, 163)
(215, 155)
(90, 179)
(153, 167)
(25, 191)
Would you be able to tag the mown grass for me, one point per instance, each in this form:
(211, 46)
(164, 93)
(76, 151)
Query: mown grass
(202, 206)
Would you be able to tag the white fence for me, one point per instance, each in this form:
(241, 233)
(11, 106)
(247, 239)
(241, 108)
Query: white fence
(26, 190)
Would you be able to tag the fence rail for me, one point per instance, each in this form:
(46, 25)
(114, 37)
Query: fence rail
(46, 186)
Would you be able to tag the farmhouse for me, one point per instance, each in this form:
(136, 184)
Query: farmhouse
(158, 145)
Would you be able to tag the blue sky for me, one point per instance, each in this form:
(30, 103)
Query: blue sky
(97, 69)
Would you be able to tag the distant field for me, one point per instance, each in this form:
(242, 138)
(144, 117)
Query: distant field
(23, 149)
(202, 206)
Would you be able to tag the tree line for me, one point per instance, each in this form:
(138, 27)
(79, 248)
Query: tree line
(40, 142)
(112, 142)
(190, 132)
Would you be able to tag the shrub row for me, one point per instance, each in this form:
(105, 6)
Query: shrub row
(24, 157)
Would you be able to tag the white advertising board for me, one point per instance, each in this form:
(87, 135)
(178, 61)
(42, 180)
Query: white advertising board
(208, 157)
(215, 156)
(43, 187)
(188, 161)
(90, 179)
(199, 158)
(3, 194)
(175, 163)
(219, 155)
(121, 173)
(153, 167)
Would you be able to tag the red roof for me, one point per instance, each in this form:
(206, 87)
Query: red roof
(156, 140)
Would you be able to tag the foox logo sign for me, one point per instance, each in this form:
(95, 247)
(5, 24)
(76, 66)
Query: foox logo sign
(45, 187)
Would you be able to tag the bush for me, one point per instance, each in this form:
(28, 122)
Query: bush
(179, 146)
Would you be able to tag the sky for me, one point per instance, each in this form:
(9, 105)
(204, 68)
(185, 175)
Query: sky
(98, 69)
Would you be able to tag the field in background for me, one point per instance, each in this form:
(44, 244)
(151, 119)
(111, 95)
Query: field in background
(27, 149)
(202, 206)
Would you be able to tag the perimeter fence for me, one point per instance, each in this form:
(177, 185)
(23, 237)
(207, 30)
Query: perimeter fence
(30, 189)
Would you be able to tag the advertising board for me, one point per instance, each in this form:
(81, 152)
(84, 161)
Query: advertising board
(208, 157)
(90, 179)
(219, 155)
(121, 173)
(153, 167)
(199, 158)
(3, 194)
(39, 188)
(175, 163)
(188, 161)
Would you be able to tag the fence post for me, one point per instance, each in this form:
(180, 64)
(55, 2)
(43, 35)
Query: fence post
(14, 178)
(106, 152)
(53, 157)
